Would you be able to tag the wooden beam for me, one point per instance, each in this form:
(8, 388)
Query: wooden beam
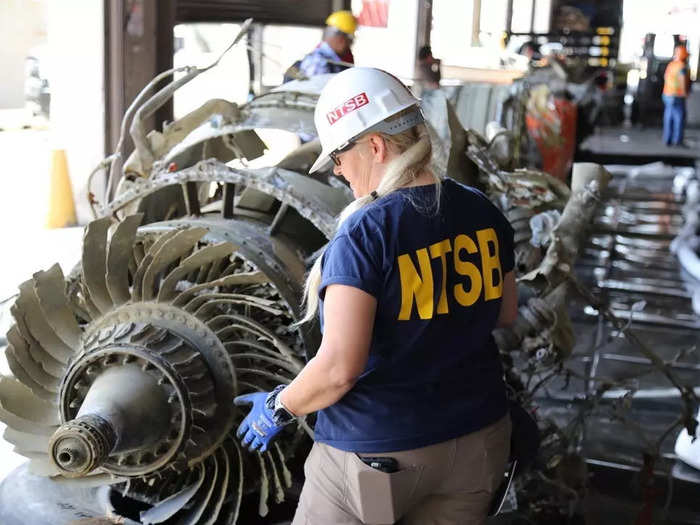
(114, 71)
(165, 50)
(138, 45)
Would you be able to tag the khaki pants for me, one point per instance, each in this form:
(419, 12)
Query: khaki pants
(448, 483)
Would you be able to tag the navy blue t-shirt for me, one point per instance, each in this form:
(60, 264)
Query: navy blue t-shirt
(433, 371)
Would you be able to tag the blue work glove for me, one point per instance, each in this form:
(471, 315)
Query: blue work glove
(262, 424)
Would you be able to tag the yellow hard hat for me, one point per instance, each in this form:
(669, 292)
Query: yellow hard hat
(343, 21)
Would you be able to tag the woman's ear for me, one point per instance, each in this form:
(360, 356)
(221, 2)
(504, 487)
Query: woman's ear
(378, 148)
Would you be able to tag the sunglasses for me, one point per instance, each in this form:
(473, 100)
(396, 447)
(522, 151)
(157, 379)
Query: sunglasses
(342, 149)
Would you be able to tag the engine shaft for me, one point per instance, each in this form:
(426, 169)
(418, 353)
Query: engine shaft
(124, 409)
(80, 446)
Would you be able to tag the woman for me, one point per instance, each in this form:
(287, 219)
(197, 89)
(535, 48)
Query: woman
(412, 412)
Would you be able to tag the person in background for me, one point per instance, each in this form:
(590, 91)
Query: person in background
(531, 50)
(413, 420)
(333, 54)
(676, 90)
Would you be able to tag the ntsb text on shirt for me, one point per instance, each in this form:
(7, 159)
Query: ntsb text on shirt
(418, 283)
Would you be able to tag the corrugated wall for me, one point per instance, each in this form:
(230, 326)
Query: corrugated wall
(476, 104)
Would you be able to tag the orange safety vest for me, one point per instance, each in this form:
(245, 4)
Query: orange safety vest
(676, 79)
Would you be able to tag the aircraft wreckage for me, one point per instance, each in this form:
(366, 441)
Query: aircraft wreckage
(191, 276)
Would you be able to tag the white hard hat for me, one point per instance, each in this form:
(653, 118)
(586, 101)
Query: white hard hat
(356, 101)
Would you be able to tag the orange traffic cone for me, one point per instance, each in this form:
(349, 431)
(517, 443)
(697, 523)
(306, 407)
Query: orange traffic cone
(61, 203)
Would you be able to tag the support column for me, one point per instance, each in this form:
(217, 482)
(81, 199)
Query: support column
(476, 22)
(165, 50)
(114, 71)
(139, 38)
(509, 19)
(424, 22)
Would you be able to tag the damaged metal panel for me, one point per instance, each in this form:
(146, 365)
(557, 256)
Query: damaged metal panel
(315, 201)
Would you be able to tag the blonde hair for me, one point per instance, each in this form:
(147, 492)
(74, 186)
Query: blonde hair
(415, 153)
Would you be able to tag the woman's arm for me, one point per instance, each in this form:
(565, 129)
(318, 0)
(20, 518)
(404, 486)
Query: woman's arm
(348, 315)
(509, 302)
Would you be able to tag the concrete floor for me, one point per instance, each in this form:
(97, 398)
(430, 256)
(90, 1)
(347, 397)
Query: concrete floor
(640, 143)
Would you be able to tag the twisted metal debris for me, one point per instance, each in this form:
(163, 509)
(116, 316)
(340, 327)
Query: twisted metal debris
(191, 309)
(624, 276)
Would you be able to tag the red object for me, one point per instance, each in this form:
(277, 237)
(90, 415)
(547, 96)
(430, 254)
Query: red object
(346, 107)
(172, 167)
(375, 13)
(556, 141)
(348, 57)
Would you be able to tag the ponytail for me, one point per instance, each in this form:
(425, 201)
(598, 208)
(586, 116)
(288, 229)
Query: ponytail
(416, 150)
